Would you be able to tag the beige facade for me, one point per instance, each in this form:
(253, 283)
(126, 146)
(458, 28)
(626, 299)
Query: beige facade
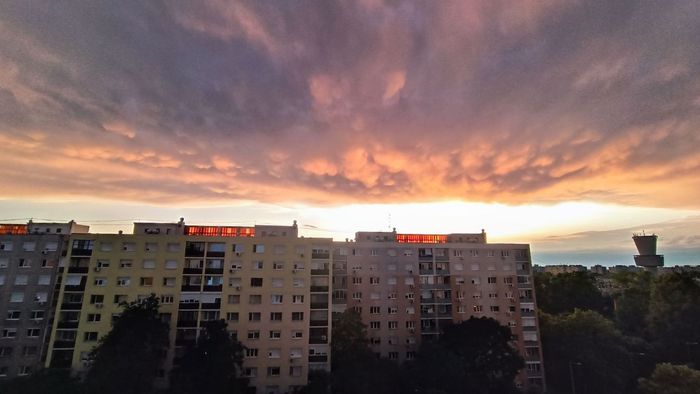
(272, 287)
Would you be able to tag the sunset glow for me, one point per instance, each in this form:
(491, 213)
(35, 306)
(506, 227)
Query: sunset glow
(533, 120)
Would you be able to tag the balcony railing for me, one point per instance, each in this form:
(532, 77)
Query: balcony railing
(319, 305)
(318, 323)
(188, 270)
(67, 324)
(187, 323)
(319, 271)
(319, 289)
(78, 270)
(318, 340)
(64, 344)
(71, 306)
(318, 358)
(191, 287)
(211, 305)
(214, 271)
(214, 288)
(189, 305)
(81, 252)
(320, 255)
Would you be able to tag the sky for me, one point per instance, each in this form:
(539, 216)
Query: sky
(566, 124)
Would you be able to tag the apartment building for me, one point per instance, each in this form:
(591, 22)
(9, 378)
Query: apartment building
(29, 259)
(269, 284)
(407, 287)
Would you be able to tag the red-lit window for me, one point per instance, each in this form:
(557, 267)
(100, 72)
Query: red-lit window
(229, 231)
(421, 238)
(207, 231)
(18, 229)
(247, 231)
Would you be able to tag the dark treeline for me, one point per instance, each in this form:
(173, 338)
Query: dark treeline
(647, 327)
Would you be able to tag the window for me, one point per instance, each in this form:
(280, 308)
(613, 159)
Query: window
(36, 315)
(374, 280)
(254, 316)
(255, 299)
(90, 336)
(5, 351)
(277, 265)
(100, 282)
(275, 334)
(297, 299)
(393, 355)
(167, 299)
(13, 315)
(492, 279)
(374, 310)
(123, 281)
(273, 371)
(475, 267)
(375, 325)
(393, 325)
(128, 246)
(21, 280)
(170, 264)
(4, 261)
(6, 246)
(44, 280)
(393, 310)
(251, 352)
(495, 308)
(25, 263)
(173, 247)
(94, 317)
(258, 248)
(146, 281)
(232, 316)
(149, 264)
(29, 246)
(478, 308)
(119, 298)
(391, 280)
(295, 371)
(276, 298)
(250, 372)
(253, 334)
(9, 333)
(257, 265)
(357, 295)
(275, 316)
(277, 282)
(234, 299)
(24, 370)
(125, 263)
(169, 282)
(17, 297)
(97, 299)
(356, 280)
(298, 282)
(256, 282)
(297, 316)
(297, 334)
(409, 281)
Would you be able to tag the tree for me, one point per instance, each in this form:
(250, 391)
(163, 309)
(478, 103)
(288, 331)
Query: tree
(588, 346)
(127, 359)
(674, 316)
(568, 291)
(474, 356)
(632, 303)
(213, 366)
(355, 369)
(671, 379)
(55, 381)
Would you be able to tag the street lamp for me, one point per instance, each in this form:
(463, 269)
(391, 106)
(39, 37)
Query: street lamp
(571, 374)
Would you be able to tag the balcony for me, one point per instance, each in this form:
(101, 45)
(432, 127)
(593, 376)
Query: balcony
(213, 288)
(186, 323)
(320, 255)
(211, 305)
(67, 324)
(212, 253)
(319, 272)
(81, 252)
(189, 305)
(318, 323)
(71, 306)
(64, 344)
(318, 340)
(191, 271)
(191, 288)
(80, 287)
(319, 289)
(318, 358)
(527, 313)
(319, 305)
(435, 286)
(444, 315)
(526, 285)
(425, 271)
(78, 270)
(214, 271)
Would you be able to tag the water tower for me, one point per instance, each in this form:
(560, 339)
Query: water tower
(647, 257)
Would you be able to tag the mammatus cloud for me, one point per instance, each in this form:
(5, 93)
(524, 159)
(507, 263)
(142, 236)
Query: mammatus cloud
(356, 101)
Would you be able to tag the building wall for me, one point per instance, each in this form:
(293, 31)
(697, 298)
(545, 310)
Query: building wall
(272, 288)
(406, 292)
(28, 271)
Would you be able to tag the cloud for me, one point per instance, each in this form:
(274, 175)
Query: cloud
(368, 101)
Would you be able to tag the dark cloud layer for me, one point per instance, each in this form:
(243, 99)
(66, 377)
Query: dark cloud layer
(352, 101)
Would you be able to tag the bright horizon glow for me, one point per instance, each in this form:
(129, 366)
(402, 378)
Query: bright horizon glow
(502, 223)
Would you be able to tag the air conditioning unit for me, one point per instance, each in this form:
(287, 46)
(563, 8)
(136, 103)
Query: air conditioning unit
(98, 269)
(99, 305)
